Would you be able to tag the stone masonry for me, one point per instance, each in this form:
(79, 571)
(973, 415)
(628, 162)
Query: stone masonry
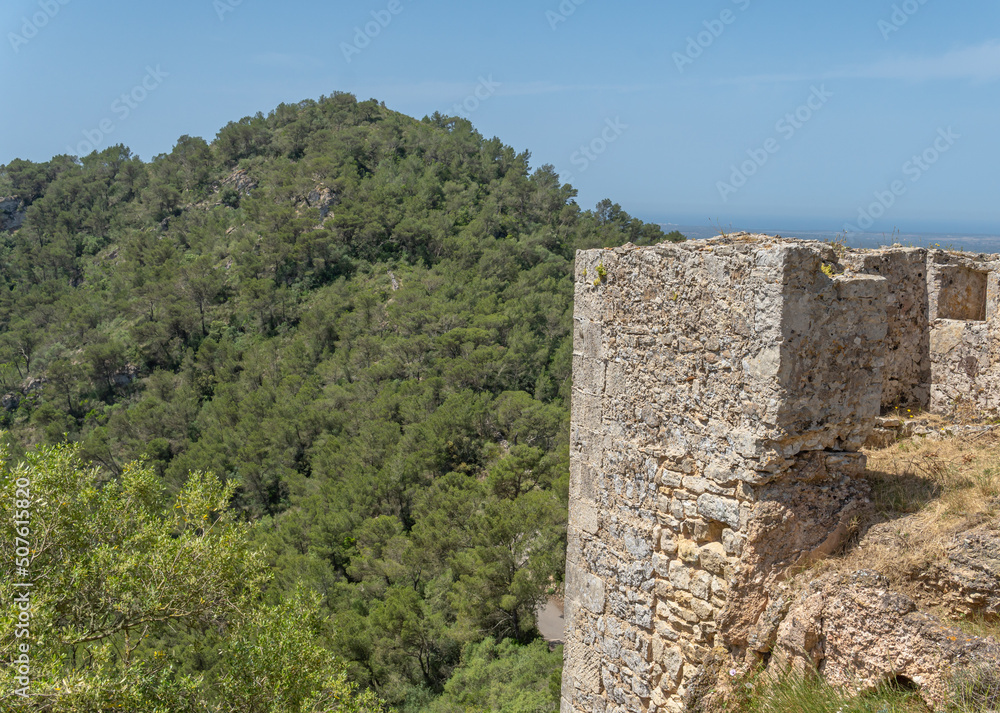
(722, 391)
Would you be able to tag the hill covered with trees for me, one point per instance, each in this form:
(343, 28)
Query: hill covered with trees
(361, 323)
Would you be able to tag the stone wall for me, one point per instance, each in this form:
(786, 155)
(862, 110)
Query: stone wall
(964, 292)
(715, 382)
(722, 391)
(907, 371)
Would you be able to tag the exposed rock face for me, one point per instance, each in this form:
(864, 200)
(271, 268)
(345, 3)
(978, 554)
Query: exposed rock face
(792, 525)
(860, 634)
(722, 390)
(324, 199)
(12, 212)
(240, 181)
(965, 581)
(970, 577)
(10, 402)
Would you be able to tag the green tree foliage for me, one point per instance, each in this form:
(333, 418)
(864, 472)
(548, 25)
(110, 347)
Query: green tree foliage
(503, 676)
(360, 321)
(116, 569)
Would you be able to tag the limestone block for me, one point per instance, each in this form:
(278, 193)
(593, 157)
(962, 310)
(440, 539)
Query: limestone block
(713, 558)
(643, 617)
(702, 609)
(672, 661)
(584, 588)
(661, 564)
(638, 547)
(721, 509)
(679, 575)
(701, 585)
(687, 552)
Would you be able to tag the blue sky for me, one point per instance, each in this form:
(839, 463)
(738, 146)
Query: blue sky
(873, 113)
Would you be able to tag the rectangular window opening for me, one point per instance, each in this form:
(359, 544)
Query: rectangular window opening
(963, 294)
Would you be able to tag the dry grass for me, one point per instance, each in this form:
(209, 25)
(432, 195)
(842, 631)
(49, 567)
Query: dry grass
(924, 493)
(952, 481)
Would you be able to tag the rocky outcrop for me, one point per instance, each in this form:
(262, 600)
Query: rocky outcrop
(969, 579)
(324, 199)
(12, 212)
(792, 526)
(963, 580)
(10, 402)
(860, 634)
(240, 181)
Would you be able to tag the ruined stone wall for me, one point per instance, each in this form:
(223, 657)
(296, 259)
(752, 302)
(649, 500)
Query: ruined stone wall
(964, 332)
(720, 389)
(907, 371)
(942, 326)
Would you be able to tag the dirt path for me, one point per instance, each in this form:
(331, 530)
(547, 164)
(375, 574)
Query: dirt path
(551, 623)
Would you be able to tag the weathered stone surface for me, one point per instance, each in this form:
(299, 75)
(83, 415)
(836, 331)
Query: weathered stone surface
(861, 634)
(720, 509)
(12, 212)
(713, 558)
(585, 589)
(791, 524)
(963, 296)
(721, 392)
(907, 370)
(970, 576)
(965, 581)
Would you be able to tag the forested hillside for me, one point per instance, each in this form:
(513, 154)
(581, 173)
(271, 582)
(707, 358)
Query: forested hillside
(360, 322)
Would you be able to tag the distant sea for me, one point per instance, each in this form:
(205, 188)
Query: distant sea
(949, 241)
